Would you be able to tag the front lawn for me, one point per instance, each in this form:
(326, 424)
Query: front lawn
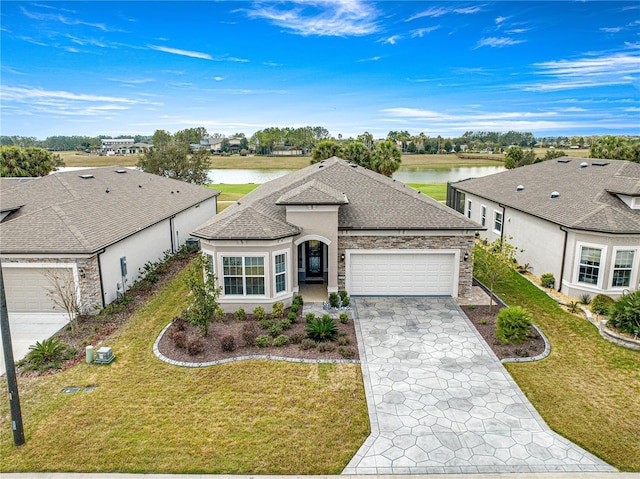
(588, 389)
(249, 417)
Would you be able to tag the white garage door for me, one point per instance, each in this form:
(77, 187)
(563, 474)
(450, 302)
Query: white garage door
(26, 289)
(402, 274)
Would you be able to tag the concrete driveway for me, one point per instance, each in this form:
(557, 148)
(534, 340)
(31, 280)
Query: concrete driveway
(27, 328)
(440, 402)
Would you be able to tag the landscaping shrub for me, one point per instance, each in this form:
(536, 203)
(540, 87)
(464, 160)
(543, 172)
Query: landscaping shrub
(547, 280)
(624, 314)
(281, 340)
(240, 315)
(294, 309)
(343, 294)
(585, 299)
(259, 313)
(228, 343)
(266, 323)
(512, 325)
(298, 300)
(307, 344)
(322, 329)
(309, 317)
(285, 324)
(219, 315)
(573, 306)
(334, 300)
(346, 302)
(48, 351)
(292, 317)
(196, 346)
(346, 353)
(344, 341)
(296, 338)
(179, 339)
(344, 318)
(249, 333)
(277, 311)
(600, 303)
(276, 329)
(179, 323)
(326, 347)
(263, 341)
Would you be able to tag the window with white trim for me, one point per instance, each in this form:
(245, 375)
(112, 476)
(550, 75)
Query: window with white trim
(469, 203)
(589, 269)
(483, 216)
(622, 268)
(497, 221)
(281, 272)
(209, 263)
(243, 275)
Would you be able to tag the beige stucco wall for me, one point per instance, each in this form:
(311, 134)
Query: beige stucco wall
(189, 219)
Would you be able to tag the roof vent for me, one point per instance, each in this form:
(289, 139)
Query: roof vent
(86, 177)
(600, 163)
(555, 194)
(354, 166)
(121, 171)
(564, 161)
(584, 164)
(519, 188)
(321, 166)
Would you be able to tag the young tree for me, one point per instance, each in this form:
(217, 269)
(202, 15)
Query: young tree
(65, 294)
(516, 157)
(174, 161)
(493, 263)
(204, 302)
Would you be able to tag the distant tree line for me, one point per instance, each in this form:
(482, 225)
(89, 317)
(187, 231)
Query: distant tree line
(382, 157)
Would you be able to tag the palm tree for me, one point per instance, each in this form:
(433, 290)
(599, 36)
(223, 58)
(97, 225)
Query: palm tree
(386, 158)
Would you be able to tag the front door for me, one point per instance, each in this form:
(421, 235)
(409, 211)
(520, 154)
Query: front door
(315, 268)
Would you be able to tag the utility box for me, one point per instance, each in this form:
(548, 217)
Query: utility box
(104, 356)
(89, 351)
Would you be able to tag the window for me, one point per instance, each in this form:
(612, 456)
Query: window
(209, 263)
(243, 275)
(622, 268)
(280, 269)
(589, 265)
(484, 215)
(497, 221)
(469, 203)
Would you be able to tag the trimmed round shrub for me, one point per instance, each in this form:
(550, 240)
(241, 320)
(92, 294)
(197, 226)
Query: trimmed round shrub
(276, 329)
(285, 324)
(601, 303)
(179, 339)
(547, 280)
(240, 315)
(344, 318)
(292, 317)
(322, 329)
(196, 346)
(346, 302)
(249, 333)
(277, 311)
(281, 340)
(266, 323)
(219, 315)
(294, 309)
(298, 300)
(343, 294)
(263, 341)
(625, 313)
(334, 300)
(228, 343)
(259, 313)
(512, 325)
(309, 317)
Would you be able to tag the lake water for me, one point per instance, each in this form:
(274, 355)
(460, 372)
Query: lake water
(406, 175)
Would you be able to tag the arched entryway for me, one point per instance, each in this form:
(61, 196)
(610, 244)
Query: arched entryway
(313, 268)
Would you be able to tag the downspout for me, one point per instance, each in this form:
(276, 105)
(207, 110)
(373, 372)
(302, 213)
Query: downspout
(504, 221)
(564, 256)
(100, 278)
(171, 233)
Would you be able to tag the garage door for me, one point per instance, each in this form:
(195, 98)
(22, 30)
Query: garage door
(26, 289)
(402, 274)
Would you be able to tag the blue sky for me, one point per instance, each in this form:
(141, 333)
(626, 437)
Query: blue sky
(442, 68)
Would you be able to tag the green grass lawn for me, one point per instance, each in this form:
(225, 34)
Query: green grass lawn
(249, 417)
(437, 191)
(588, 389)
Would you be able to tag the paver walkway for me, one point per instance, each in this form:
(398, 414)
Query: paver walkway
(440, 401)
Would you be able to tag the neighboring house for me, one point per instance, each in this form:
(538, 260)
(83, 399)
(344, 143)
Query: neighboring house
(342, 226)
(576, 218)
(99, 225)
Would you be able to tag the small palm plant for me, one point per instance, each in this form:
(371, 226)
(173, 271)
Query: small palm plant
(322, 329)
(48, 351)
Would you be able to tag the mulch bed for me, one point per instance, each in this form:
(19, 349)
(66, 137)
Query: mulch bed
(213, 350)
(480, 314)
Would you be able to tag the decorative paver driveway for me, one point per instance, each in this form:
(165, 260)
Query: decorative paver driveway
(440, 401)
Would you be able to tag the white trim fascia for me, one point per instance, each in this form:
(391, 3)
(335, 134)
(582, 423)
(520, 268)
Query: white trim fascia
(45, 256)
(304, 239)
(313, 208)
(248, 243)
(389, 233)
(601, 271)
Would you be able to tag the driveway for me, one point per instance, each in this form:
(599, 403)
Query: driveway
(27, 328)
(441, 402)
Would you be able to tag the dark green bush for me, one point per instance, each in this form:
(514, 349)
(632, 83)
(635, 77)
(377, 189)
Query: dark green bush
(266, 323)
(281, 340)
(259, 313)
(292, 317)
(309, 317)
(346, 302)
(547, 280)
(285, 324)
(276, 329)
(48, 351)
(298, 300)
(294, 309)
(240, 315)
(512, 325)
(344, 318)
(343, 294)
(263, 341)
(625, 314)
(228, 343)
(601, 303)
(322, 329)
(334, 300)
(277, 311)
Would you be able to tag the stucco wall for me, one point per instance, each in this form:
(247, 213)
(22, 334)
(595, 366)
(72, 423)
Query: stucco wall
(462, 242)
(190, 219)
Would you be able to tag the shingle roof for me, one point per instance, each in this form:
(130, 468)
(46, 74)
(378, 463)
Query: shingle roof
(374, 202)
(586, 202)
(64, 213)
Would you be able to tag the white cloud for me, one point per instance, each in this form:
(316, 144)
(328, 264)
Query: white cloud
(468, 10)
(137, 81)
(390, 40)
(495, 42)
(372, 59)
(177, 51)
(421, 31)
(610, 29)
(433, 12)
(56, 17)
(218, 78)
(338, 18)
(500, 20)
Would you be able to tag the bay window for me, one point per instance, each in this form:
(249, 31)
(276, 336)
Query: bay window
(243, 275)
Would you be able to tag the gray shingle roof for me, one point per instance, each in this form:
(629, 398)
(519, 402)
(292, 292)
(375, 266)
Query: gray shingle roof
(64, 213)
(586, 202)
(374, 202)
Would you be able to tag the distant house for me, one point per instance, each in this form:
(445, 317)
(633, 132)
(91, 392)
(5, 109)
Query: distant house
(576, 218)
(340, 226)
(99, 226)
(286, 151)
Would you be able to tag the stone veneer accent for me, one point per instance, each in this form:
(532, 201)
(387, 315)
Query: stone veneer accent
(89, 285)
(464, 243)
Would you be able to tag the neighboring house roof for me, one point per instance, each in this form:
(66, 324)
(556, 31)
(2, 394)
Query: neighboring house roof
(587, 199)
(66, 213)
(367, 200)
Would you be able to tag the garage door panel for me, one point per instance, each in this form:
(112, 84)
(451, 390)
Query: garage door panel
(402, 274)
(26, 289)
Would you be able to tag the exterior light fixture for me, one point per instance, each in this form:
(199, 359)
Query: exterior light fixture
(342, 257)
(466, 256)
